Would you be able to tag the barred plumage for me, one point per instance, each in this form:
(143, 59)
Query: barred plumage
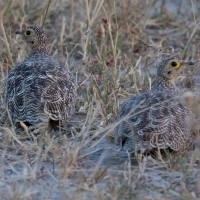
(39, 88)
(158, 118)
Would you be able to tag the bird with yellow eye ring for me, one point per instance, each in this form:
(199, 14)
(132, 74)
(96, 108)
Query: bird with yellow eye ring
(158, 118)
(175, 64)
(27, 33)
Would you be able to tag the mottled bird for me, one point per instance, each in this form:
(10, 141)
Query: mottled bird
(39, 89)
(158, 118)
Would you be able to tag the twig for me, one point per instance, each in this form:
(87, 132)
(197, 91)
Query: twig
(188, 42)
(6, 41)
(46, 13)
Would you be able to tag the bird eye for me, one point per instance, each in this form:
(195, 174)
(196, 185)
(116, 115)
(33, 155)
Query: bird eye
(175, 64)
(27, 33)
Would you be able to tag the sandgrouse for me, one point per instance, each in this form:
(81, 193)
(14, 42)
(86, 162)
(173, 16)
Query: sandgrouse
(158, 118)
(39, 89)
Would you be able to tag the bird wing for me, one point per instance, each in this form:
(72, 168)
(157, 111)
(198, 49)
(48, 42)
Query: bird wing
(59, 97)
(59, 93)
(38, 89)
(153, 119)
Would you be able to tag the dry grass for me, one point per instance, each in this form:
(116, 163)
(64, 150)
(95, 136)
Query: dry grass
(112, 48)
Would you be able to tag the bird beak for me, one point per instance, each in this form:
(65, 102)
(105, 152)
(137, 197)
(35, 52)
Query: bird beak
(18, 32)
(189, 62)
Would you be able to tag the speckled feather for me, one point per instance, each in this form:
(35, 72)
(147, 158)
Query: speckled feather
(158, 118)
(40, 88)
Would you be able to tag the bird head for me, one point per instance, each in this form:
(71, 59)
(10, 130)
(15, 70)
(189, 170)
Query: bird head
(171, 68)
(34, 36)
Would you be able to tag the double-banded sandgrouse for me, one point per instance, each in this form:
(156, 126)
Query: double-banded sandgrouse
(40, 88)
(158, 118)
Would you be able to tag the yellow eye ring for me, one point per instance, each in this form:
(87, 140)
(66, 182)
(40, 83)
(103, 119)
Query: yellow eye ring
(175, 64)
(27, 33)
